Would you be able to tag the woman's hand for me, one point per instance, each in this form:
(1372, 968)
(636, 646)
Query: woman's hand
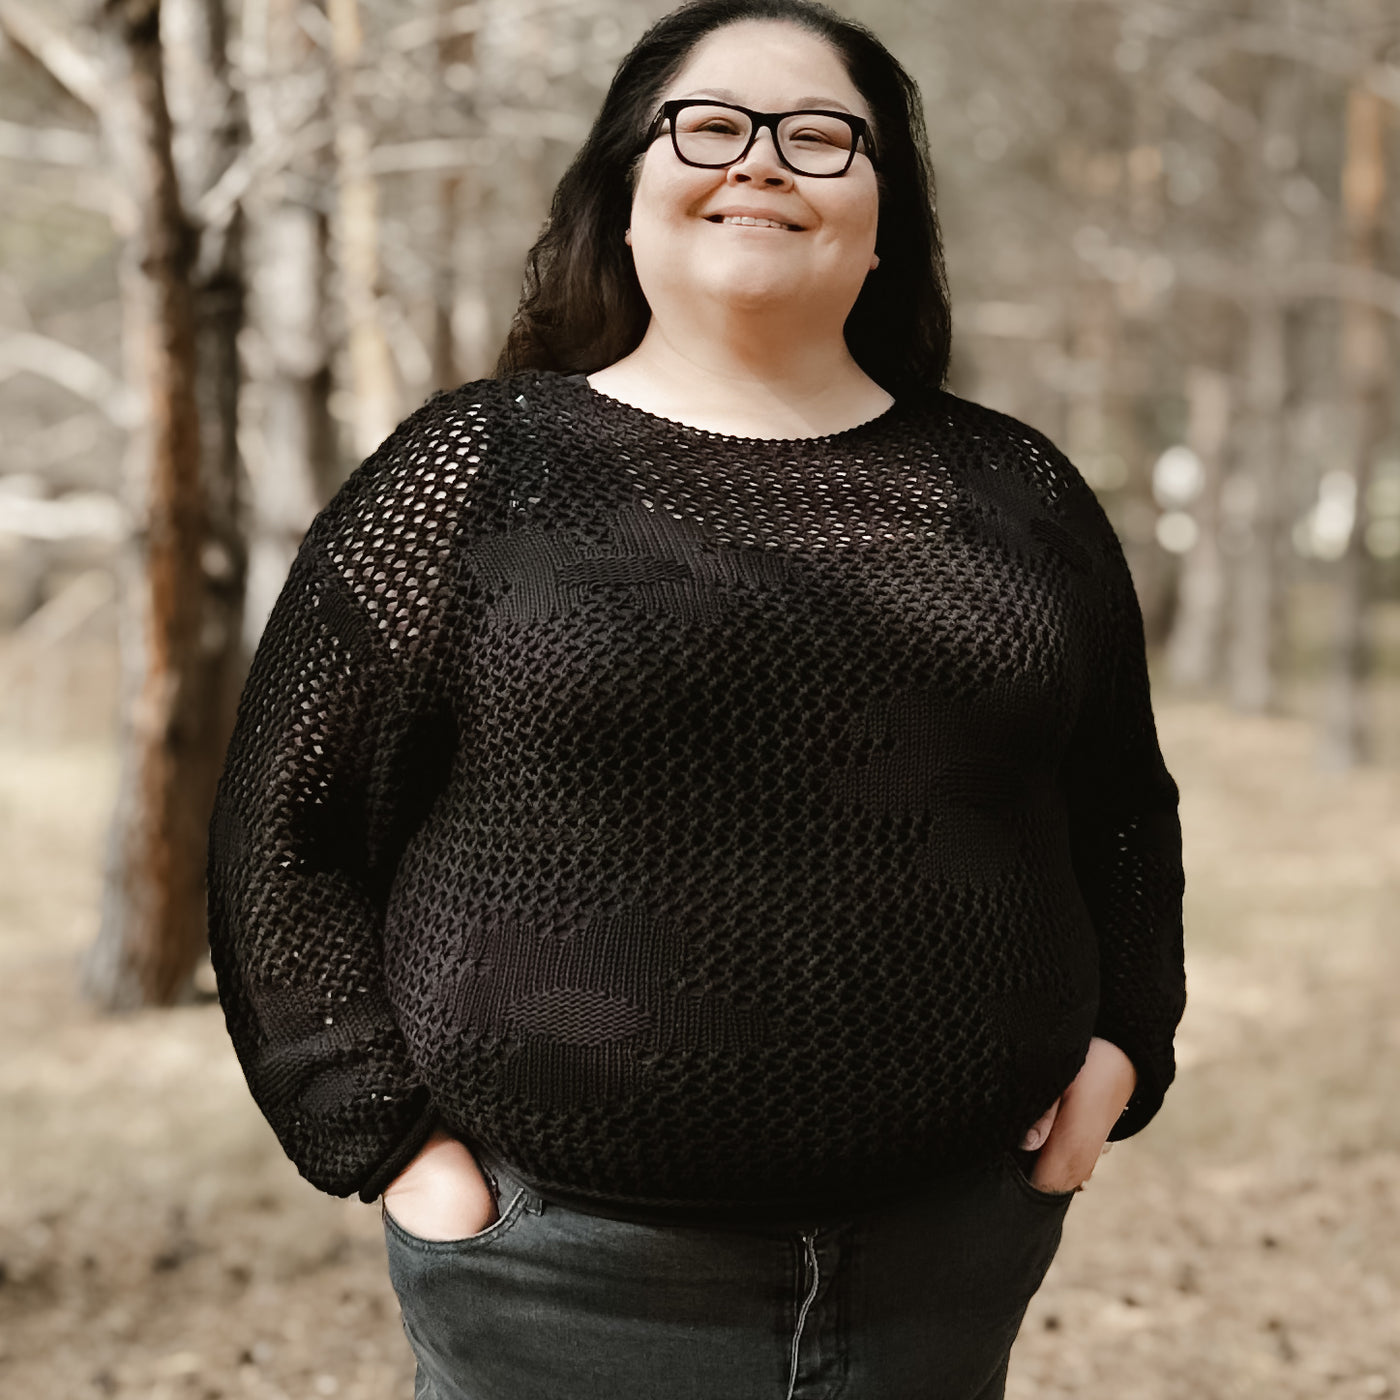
(441, 1194)
(1071, 1133)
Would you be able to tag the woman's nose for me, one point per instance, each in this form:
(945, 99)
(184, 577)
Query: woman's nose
(761, 164)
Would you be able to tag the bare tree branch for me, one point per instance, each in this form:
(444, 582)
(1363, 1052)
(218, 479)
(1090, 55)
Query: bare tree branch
(283, 131)
(66, 63)
(538, 121)
(415, 364)
(255, 163)
(1342, 58)
(1339, 57)
(1357, 284)
(471, 18)
(54, 621)
(60, 442)
(456, 152)
(415, 33)
(1335, 55)
(76, 371)
(48, 145)
(1298, 282)
(312, 22)
(1207, 103)
(79, 515)
(434, 153)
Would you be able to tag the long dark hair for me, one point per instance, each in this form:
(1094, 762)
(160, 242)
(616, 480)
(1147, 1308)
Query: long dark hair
(583, 307)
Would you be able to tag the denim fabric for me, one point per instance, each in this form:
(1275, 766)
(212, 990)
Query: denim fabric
(919, 1301)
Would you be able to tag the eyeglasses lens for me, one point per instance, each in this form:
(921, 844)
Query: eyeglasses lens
(811, 143)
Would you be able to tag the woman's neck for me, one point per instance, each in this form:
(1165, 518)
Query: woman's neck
(751, 386)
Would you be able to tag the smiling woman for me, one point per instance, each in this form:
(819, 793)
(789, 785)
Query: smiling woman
(749, 267)
(584, 307)
(695, 838)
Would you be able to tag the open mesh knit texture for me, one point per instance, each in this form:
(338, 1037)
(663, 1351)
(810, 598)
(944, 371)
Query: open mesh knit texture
(693, 819)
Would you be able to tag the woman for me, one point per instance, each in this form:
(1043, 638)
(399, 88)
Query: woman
(695, 838)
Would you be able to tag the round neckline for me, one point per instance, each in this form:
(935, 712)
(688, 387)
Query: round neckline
(675, 425)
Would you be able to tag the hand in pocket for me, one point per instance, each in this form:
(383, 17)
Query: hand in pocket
(1070, 1135)
(442, 1193)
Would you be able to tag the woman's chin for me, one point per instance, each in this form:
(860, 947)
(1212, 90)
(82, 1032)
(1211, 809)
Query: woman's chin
(756, 285)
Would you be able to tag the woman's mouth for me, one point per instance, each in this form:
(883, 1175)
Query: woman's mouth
(751, 221)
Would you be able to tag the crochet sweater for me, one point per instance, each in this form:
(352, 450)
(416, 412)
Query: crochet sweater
(694, 821)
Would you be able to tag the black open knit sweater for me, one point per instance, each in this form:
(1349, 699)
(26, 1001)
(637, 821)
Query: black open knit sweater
(695, 821)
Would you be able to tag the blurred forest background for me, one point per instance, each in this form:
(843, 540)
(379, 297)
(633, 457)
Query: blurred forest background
(239, 239)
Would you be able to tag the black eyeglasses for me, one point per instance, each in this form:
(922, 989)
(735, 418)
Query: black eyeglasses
(712, 135)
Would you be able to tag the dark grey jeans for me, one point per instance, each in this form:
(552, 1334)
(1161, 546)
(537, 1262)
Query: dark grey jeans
(920, 1301)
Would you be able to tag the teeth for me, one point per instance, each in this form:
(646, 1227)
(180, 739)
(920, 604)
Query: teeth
(750, 222)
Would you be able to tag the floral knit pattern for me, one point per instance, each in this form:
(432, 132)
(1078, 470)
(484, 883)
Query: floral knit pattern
(691, 819)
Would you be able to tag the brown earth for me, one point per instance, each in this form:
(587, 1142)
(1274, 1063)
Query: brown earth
(154, 1242)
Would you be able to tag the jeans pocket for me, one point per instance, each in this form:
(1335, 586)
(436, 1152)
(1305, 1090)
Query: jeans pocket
(1028, 1188)
(506, 1218)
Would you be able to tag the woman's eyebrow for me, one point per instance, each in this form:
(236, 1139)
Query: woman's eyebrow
(833, 103)
(801, 103)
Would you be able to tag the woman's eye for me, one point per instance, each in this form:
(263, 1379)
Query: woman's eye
(716, 126)
(812, 138)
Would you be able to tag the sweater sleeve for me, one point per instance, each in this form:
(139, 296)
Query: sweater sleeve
(1126, 838)
(336, 755)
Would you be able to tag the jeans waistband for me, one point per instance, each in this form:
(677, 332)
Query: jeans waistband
(747, 1217)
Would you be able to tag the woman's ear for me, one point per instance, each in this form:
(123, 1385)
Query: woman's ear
(627, 237)
(874, 261)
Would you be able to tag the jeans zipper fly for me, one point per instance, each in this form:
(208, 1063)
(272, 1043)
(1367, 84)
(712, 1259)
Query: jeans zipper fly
(809, 1245)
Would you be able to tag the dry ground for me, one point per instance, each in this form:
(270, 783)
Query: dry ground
(154, 1243)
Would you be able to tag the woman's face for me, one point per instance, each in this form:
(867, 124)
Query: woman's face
(683, 249)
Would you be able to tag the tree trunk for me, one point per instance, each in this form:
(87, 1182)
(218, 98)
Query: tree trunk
(452, 49)
(208, 134)
(292, 457)
(1255, 594)
(152, 929)
(1193, 650)
(1364, 392)
(1256, 491)
(476, 339)
(373, 381)
(444, 349)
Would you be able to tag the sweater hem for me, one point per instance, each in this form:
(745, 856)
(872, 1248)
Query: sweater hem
(408, 1148)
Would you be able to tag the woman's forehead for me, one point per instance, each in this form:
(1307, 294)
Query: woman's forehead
(816, 100)
(770, 66)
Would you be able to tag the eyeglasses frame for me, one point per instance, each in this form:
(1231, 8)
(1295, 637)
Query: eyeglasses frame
(860, 131)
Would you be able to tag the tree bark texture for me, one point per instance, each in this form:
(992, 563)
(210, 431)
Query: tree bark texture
(208, 133)
(152, 928)
(1365, 383)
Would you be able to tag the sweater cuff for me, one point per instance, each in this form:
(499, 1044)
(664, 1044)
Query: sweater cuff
(1141, 1109)
(407, 1149)
(1152, 1081)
